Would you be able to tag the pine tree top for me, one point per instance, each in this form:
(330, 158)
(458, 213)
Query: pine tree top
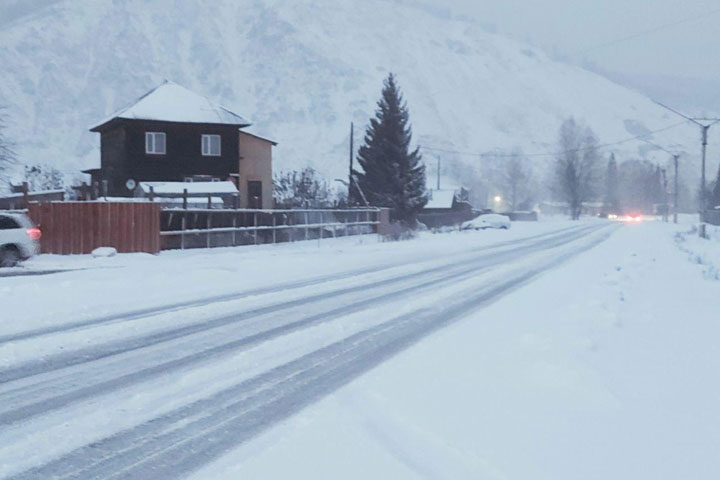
(392, 175)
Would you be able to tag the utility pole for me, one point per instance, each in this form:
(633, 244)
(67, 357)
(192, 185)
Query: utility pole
(352, 152)
(438, 173)
(705, 127)
(675, 156)
(666, 206)
(675, 189)
(703, 200)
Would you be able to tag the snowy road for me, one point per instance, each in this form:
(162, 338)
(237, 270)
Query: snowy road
(158, 392)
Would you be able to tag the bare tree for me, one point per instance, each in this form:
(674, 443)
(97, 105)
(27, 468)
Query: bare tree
(576, 165)
(301, 189)
(515, 179)
(42, 177)
(511, 175)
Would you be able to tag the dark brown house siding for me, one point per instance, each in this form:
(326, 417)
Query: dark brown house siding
(123, 153)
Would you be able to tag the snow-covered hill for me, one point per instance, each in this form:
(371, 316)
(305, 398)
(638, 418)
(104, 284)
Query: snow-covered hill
(301, 70)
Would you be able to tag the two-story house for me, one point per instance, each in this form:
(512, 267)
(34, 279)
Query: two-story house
(171, 134)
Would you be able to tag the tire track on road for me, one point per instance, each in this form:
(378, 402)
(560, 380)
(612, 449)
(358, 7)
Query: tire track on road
(30, 401)
(68, 359)
(146, 312)
(175, 444)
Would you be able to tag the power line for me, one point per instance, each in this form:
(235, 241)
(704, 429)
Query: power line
(704, 127)
(646, 32)
(548, 154)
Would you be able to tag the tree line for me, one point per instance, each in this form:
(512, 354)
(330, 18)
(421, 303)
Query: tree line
(392, 174)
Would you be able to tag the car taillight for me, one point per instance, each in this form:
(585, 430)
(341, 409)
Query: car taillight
(34, 233)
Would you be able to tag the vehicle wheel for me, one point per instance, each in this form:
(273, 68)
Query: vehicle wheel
(9, 257)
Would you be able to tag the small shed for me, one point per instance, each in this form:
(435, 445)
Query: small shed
(444, 208)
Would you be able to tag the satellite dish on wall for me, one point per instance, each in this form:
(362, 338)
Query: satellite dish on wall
(130, 184)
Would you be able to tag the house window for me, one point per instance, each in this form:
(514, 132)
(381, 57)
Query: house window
(155, 143)
(211, 145)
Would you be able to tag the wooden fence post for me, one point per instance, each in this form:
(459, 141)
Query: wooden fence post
(183, 226)
(234, 234)
(274, 225)
(306, 223)
(255, 222)
(185, 196)
(26, 194)
(209, 215)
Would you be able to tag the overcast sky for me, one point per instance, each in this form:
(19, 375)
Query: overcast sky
(570, 26)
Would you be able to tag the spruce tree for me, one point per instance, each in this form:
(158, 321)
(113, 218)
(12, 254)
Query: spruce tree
(392, 176)
(612, 201)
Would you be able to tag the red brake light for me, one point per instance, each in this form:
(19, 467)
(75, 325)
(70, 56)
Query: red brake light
(34, 233)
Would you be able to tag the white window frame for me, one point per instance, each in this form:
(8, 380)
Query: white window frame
(205, 145)
(151, 143)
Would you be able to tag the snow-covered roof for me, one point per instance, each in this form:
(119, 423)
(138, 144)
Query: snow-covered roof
(35, 193)
(193, 188)
(441, 199)
(169, 102)
(163, 200)
(252, 133)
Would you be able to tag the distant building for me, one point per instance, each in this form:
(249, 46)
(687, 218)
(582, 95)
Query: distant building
(554, 208)
(443, 201)
(563, 208)
(171, 134)
(445, 208)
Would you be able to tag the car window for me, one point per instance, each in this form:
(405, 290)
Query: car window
(7, 223)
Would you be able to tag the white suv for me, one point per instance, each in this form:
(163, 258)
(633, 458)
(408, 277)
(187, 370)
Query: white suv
(18, 239)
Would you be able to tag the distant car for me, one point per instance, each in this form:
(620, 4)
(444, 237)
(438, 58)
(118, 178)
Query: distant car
(18, 239)
(489, 220)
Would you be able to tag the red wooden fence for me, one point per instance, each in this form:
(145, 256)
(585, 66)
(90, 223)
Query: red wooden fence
(80, 227)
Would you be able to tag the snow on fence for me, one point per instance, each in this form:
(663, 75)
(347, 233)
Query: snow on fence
(206, 228)
(142, 226)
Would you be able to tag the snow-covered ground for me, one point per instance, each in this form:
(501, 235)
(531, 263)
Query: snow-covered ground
(704, 252)
(562, 350)
(93, 287)
(603, 368)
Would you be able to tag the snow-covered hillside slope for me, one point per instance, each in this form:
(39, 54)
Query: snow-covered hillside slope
(301, 70)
